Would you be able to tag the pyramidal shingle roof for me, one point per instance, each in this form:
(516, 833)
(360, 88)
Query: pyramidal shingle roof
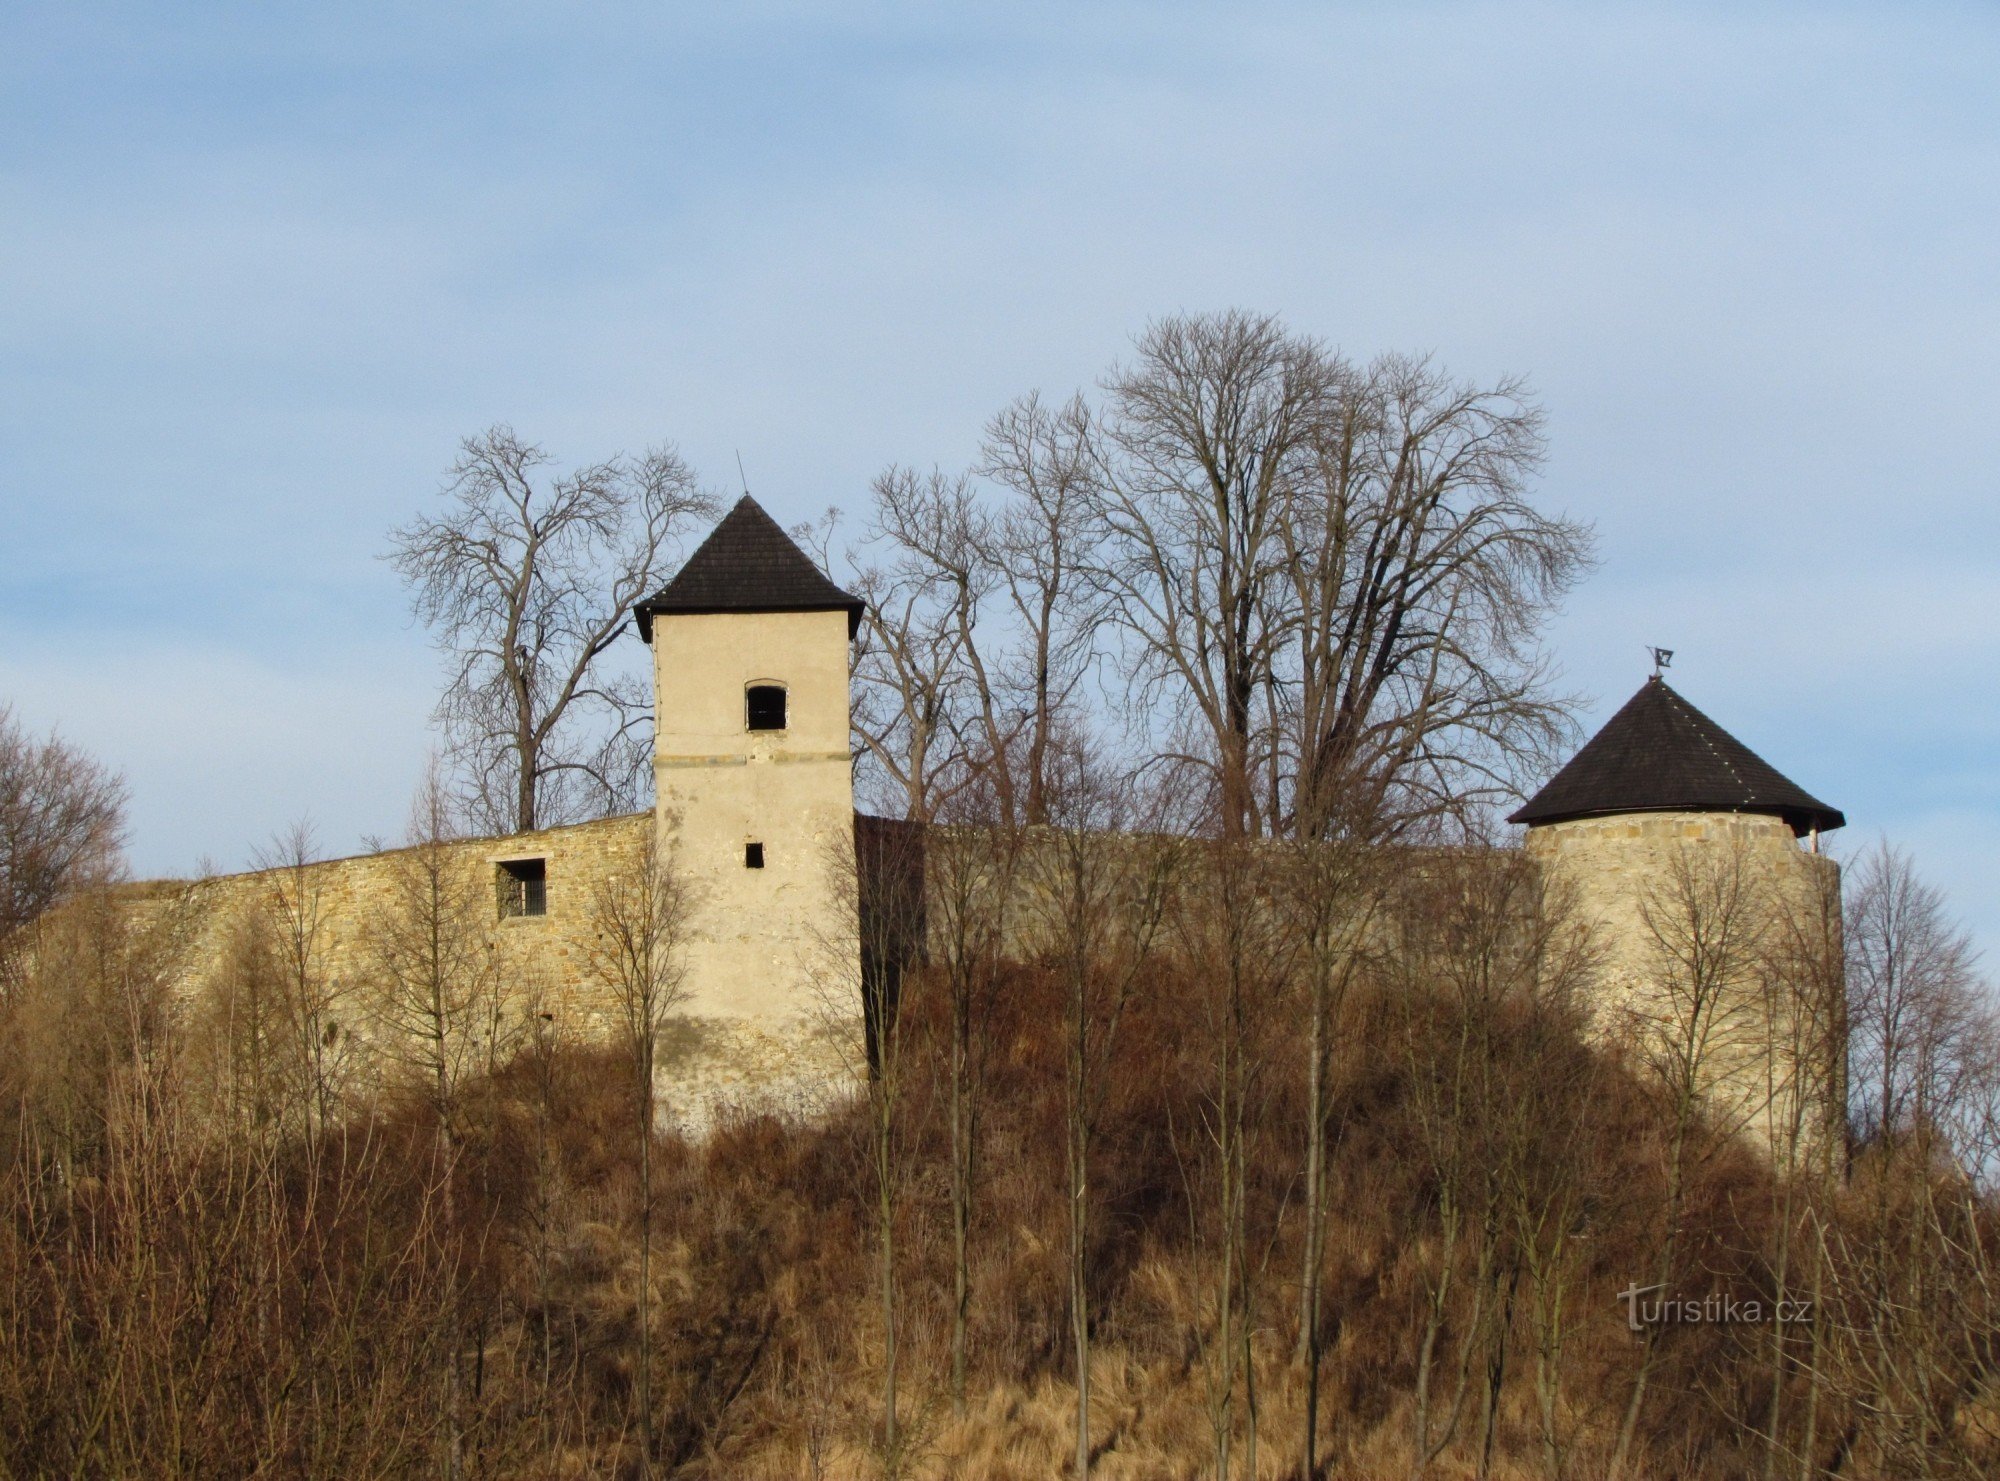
(1661, 754)
(748, 564)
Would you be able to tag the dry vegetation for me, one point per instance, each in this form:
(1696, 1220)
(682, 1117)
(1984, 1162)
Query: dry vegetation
(200, 1276)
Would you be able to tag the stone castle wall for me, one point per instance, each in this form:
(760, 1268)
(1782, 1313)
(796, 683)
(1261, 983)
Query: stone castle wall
(1735, 893)
(724, 1048)
(1766, 1033)
(733, 1044)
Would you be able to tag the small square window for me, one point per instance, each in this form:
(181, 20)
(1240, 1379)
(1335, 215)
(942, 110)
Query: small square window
(524, 887)
(765, 707)
(753, 856)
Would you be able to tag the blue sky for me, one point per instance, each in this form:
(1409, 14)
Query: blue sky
(262, 265)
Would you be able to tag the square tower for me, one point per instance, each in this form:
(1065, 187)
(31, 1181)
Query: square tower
(754, 777)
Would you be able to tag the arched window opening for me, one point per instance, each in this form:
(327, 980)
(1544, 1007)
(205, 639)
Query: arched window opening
(765, 707)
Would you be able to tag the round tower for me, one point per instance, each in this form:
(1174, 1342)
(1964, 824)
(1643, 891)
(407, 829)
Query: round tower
(755, 805)
(1696, 865)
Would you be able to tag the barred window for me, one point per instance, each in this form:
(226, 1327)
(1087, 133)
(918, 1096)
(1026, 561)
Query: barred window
(524, 887)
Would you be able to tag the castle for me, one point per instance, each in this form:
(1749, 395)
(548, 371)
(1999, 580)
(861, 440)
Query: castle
(1662, 811)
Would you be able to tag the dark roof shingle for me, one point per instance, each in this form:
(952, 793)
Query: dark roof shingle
(1659, 754)
(748, 564)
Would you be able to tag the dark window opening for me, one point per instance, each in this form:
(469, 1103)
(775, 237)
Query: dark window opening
(766, 707)
(753, 856)
(524, 887)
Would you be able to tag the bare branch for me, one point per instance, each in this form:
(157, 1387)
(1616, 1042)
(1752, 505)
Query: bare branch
(526, 581)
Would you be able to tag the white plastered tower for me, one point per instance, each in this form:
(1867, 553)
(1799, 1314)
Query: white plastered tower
(754, 780)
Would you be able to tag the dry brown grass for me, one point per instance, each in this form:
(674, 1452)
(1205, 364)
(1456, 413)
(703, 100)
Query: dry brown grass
(179, 1304)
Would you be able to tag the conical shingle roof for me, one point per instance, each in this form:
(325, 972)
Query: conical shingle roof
(748, 564)
(1661, 754)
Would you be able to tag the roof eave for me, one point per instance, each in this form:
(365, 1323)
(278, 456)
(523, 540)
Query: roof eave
(644, 611)
(1802, 820)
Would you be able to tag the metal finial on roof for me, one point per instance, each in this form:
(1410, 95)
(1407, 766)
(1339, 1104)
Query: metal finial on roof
(1663, 659)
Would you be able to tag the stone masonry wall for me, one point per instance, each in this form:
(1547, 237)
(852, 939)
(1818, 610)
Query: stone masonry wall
(1770, 1055)
(727, 1047)
(718, 1052)
(1640, 879)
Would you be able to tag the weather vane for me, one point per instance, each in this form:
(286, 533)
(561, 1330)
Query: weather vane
(1663, 658)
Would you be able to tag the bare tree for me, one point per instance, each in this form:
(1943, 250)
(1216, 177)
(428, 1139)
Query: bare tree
(1043, 545)
(88, 1017)
(971, 866)
(241, 1055)
(527, 580)
(922, 677)
(62, 819)
(639, 920)
(1913, 990)
(439, 989)
(1333, 891)
(1232, 942)
(1339, 572)
(1706, 920)
(443, 1018)
(1547, 1145)
(312, 1000)
(1417, 579)
(1207, 435)
(1548, 1191)
(882, 873)
(1804, 1057)
(1474, 949)
(1918, 1283)
(980, 619)
(550, 1210)
(1099, 892)
(1335, 577)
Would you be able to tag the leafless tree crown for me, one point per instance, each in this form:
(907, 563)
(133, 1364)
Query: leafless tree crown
(526, 580)
(1314, 589)
(61, 824)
